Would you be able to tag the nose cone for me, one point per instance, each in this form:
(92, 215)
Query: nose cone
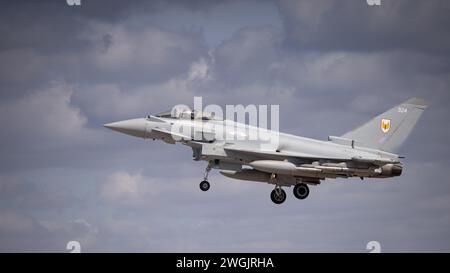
(132, 127)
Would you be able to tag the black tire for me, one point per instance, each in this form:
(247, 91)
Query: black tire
(301, 191)
(278, 196)
(204, 185)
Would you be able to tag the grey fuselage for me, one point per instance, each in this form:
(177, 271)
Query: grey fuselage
(232, 148)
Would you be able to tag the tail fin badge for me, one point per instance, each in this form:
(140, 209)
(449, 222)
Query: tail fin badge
(385, 125)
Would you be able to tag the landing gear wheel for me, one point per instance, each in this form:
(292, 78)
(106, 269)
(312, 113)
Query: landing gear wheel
(301, 191)
(278, 196)
(204, 185)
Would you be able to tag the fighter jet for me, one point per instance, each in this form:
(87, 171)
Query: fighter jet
(369, 151)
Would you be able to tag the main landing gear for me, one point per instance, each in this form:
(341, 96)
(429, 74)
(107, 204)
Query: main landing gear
(278, 195)
(204, 185)
(301, 191)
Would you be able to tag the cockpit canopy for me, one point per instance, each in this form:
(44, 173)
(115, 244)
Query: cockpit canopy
(185, 112)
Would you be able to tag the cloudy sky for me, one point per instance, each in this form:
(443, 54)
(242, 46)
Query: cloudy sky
(330, 65)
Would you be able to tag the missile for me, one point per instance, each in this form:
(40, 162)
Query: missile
(310, 170)
(284, 167)
(258, 176)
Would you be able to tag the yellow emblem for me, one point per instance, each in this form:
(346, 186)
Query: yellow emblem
(385, 125)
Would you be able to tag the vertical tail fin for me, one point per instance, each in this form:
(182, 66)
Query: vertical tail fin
(389, 130)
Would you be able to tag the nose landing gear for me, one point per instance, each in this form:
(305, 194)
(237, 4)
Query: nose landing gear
(204, 185)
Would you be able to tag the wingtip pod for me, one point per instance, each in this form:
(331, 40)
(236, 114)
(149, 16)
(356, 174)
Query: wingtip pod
(419, 102)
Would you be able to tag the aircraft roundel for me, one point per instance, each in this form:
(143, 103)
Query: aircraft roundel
(385, 125)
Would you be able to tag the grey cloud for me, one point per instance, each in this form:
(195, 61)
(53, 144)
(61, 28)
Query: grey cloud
(143, 99)
(21, 193)
(131, 57)
(64, 44)
(381, 215)
(352, 25)
(11, 222)
(22, 232)
(34, 21)
(253, 51)
(107, 190)
(146, 54)
(37, 114)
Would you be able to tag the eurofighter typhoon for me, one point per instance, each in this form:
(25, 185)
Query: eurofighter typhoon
(369, 151)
